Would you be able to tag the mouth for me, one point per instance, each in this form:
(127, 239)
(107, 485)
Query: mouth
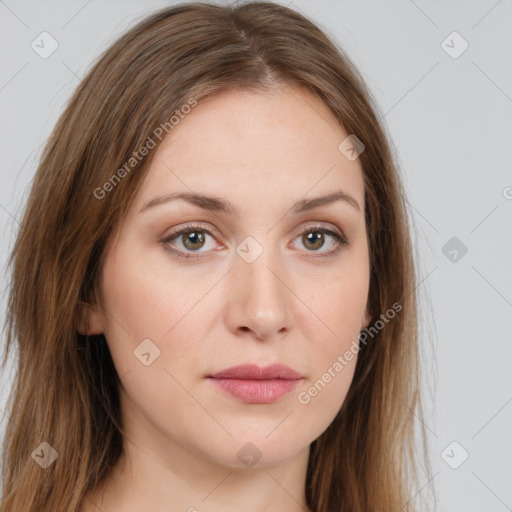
(252, 384)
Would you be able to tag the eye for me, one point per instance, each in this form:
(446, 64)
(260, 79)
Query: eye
(190, 238)
(193, 238)
(316, 237)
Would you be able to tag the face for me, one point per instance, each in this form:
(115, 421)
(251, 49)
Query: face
(255, 275)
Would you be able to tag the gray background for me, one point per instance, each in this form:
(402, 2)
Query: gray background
(449, 117)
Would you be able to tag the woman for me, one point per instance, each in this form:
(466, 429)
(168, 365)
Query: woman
(213, 283)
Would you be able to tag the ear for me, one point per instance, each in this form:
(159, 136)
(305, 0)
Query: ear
(89, 320)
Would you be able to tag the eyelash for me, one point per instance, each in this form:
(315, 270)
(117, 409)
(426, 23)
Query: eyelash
(340, 241)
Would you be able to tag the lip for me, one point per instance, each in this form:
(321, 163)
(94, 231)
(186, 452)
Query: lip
(258, 385)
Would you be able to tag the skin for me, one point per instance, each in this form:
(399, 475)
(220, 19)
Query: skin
(262, 152)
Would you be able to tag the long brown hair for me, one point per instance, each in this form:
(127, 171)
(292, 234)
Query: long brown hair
(65, 390)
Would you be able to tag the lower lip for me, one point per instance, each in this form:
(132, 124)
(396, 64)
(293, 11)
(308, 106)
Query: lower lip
(257, 391)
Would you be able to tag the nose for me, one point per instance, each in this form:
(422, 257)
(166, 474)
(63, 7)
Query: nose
(259, 299)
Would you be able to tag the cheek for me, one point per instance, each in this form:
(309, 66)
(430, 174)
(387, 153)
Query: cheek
(338, 302)
(332, 361)
(139, 304)
(332, 326)
(150, 320)
(145, 299)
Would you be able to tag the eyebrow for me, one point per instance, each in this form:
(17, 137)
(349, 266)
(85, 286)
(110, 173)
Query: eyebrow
(217, 204)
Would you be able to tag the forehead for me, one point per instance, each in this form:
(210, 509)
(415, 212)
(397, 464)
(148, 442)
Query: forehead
(253, 143)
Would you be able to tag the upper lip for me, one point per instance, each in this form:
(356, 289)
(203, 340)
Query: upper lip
(255, 372)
